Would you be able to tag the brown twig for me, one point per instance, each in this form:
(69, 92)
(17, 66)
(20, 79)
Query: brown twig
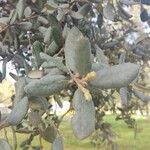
(62, 49)
(22, 20)
(5, 28)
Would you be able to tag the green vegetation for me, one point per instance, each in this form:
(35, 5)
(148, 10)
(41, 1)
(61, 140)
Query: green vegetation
(125, 138)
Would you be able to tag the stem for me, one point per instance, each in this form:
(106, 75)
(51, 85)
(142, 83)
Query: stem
(6, 137)
(22, 20)
(14, 138)
(62, 49)
(40, 140)
(63, 116)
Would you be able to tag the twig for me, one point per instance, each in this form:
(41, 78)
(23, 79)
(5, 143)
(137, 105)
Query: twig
(60, 120)
(14, 138)
(6, 137)
(62, 49)
(22, 20)
(25, 131)
(7, 26)
(140, 87)
(40, 140)
(82, 83)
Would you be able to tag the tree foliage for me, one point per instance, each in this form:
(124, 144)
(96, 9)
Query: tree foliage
(68, 49)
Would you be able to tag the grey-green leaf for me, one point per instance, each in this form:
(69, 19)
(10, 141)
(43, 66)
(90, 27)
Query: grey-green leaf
(18, 112)
(25, 25)
(19, 89)
(37, 49)
(83, 122)
(100, 55)
(57, 62)
(124, 96)
(99, 66)
(78, 52)
(49, 134)
(58, 144)
(116, 76)
(122, 58)
(65, 31)
(13, 16)
(57, 36)
(43, 30)
(85, 9)
(20, 8)
(42, 20)
(4, 145)
(141, 96)
(109, 12)
(4, 20)
(52, 49)
(48, 36)
(129, 2)
(38, 103)
(48, 85)
(27, 11)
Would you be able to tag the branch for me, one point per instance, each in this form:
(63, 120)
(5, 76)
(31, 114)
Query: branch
(22, 20)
